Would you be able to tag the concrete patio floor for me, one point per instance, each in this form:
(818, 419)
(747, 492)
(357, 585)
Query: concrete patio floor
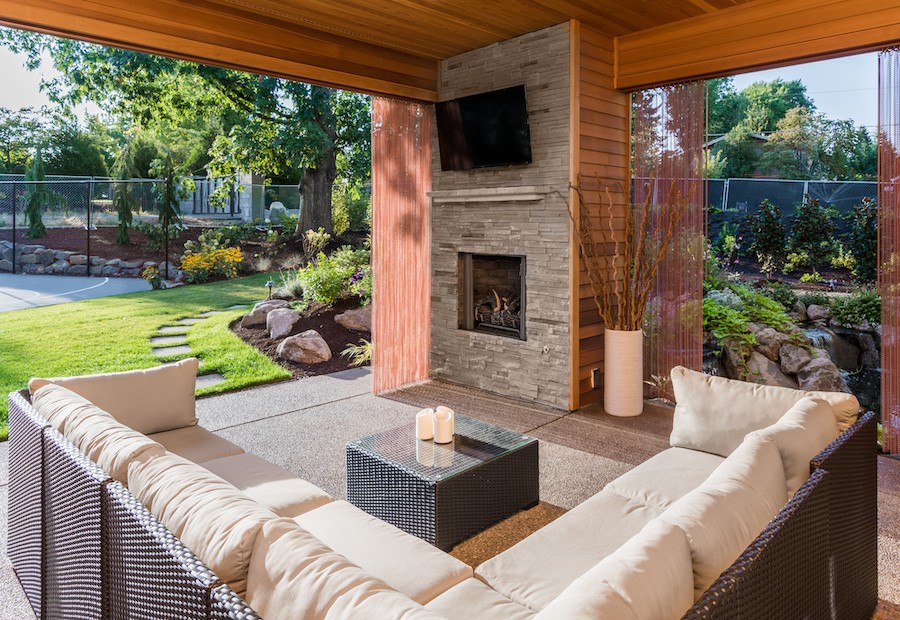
(303, 426)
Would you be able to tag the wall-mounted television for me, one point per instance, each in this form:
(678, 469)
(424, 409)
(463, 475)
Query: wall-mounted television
(484, 130)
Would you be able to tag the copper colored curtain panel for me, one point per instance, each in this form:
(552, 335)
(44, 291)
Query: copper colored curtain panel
(401, 242)
(669, 125)
(889, 242)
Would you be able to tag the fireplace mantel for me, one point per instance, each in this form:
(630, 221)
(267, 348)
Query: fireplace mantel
(520, 193)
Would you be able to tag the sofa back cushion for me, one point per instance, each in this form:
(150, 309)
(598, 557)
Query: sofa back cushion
(215, 520)
(149, 401)
(648, 578)
(294, 575)
(801, 433)
(714, 414)
(723, 515)
(110, 444)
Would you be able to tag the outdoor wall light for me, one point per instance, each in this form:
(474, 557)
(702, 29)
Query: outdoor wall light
(270, 285)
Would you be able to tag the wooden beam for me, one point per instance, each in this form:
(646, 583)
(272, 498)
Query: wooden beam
(760, 34)
(201, 32)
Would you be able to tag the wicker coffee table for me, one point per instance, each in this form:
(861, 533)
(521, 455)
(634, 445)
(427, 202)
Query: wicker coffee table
(443, 493)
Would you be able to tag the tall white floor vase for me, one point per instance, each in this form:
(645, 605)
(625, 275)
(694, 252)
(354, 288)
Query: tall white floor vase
(623, 372)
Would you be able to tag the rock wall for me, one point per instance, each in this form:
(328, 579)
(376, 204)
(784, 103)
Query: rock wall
(37, 259)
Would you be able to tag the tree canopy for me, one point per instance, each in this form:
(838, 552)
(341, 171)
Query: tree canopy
(220, 121)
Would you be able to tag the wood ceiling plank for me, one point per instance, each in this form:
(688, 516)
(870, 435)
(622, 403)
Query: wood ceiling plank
(175, 29)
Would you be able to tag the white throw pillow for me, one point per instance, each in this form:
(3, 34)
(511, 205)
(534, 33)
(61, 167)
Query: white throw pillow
(723, 515)
(801, 433)
(714, 414)
(648, 578)
(150, 401)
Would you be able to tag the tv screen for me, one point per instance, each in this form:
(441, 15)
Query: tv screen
(484, 130)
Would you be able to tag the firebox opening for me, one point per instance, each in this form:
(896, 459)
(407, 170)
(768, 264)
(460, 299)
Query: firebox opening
(492, 294)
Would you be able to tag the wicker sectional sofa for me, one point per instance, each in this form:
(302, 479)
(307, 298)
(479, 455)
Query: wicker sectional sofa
(121, 506)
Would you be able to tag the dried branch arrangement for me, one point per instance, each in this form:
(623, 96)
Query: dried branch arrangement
(621, 268)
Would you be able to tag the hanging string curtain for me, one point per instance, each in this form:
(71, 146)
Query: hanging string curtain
(401, 243)
(889, 242)
(669, 128)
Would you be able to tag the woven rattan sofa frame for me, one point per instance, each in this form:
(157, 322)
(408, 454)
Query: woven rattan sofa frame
(82, 546)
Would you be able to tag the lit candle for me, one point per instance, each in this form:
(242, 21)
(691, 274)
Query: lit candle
(425, 424)
(443, 425)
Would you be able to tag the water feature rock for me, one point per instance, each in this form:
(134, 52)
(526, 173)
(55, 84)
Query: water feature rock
(816, 312)
(870, 355)
(358, 319)
(306, 348)
(798, 311)
(280, 322)
(766, 372)
(769, 341)
(257, 316)
(793, 358)
(821, 374)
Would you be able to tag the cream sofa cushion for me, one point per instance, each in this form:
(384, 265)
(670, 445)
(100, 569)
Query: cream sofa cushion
(723, 515)
(269, 485)
(211, 517)
(407, 564)
(714, 414)
(537, 569)
(801, 433)
(294, 575)
(647, 578)
(110, 444)
(475, 600)
(663, 479)
(149, 401)
(196, 444)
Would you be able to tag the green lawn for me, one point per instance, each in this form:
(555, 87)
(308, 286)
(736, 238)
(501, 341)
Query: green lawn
(113, 333)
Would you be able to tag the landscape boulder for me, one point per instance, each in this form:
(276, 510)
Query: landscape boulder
(280, 322)
(762, 370)
(358, 319)
(793, 358)
(277, 212)
(257, 316)
(769, 341)
(821, 374)
(306, 348)
(798, 311)
(818, 313)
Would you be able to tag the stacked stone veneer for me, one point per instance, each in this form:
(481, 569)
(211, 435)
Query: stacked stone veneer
(37, 259)
(514, 210)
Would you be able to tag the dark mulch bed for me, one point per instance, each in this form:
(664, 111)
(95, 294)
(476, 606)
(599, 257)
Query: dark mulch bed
(321, 319)
(750, 271)
(103, 243)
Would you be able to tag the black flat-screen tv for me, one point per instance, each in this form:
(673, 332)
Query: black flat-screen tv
(484, 130)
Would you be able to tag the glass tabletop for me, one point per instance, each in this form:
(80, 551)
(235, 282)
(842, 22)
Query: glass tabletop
(474, 443)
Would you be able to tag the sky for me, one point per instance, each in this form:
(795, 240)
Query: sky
(841, 88)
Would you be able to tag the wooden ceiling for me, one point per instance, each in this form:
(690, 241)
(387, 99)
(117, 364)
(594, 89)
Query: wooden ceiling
(393, 47)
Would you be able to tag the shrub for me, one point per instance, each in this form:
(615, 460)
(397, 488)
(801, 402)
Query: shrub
(863, 242)
(199, 266)
(328, 278)
(361, 284)
(779, 292)
(809, 278)
(864, 303)
(726, 323)
(843, 259)
(761, 309)
(155, 235)
(314, 241)
(812, 227)
(290, 286)
(154, 278)
(219, 238)
(768, 236)
(818, 299)
(359, 354)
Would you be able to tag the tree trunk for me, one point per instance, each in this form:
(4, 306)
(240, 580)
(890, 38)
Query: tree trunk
(315, 194)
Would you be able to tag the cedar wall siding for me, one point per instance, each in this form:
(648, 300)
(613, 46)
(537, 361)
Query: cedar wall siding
(401, 178)
(602, 161)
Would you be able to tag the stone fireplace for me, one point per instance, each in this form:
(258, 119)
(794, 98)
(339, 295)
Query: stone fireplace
(492, 294)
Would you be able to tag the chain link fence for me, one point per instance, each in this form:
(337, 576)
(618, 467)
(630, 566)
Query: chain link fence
(81, 223)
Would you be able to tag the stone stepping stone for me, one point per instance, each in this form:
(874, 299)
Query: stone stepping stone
(189, 321)
(211, 313)
(177, 350)
(174, 329)
(236, 307)
(157, 340)
(211, 379)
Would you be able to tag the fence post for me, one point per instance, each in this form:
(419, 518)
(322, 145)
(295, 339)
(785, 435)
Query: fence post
(90, 193)
(725, 196)
(14, 227)
(805, 190)
(168, 190)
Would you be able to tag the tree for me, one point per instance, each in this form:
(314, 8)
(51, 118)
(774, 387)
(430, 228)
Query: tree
(849, 152)
(20, 131)
(72, 151)
(795, 150)
(769, 102)
(725, 106)
(268, 125)
(38, 196)
(768, 237)
(124, 201)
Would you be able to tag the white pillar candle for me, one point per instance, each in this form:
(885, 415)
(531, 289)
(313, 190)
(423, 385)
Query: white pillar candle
(443, 454)
(443, 425)
(425, 424)
(425, 453)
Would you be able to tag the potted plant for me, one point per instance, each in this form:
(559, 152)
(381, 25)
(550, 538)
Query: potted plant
(621, 267)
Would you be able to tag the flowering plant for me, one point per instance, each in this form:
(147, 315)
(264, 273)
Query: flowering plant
(154, 278)
(199, 266)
